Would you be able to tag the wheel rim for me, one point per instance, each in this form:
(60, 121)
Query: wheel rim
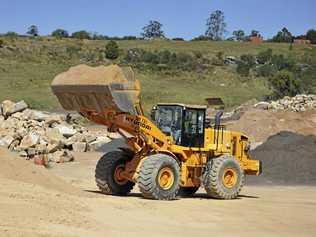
(229, 177)
(165, 178)
(118, 175)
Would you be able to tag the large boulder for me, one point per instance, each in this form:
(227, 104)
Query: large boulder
(79, 147)
(9, 107)
(65, 130)
(6, 141)
(262, 105)
(98, 143)
(29, 141)
(54, 135)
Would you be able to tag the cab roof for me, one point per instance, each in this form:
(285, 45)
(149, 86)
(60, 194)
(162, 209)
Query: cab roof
(183, 105)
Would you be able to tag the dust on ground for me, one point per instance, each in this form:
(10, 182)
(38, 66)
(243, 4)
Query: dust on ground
(28, 208)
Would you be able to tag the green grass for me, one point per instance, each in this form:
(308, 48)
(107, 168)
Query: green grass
(27, 67)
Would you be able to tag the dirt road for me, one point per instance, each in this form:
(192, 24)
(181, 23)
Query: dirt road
(28, 209)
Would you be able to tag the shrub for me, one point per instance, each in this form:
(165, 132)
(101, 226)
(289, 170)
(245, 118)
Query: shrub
(247, 61)
(243, 69)
(1, 43)
(264, 56)
(265, 70)
(112, 50)
(219, 59)
(281, 62)
(134, 55)
(150, 57)
(164, 56)
(284, 83)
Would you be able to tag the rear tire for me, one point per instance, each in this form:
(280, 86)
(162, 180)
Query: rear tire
(106, 174)
(223, 178)
(187, 191)
(159, 177)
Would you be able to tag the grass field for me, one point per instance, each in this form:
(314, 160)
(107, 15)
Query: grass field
(27, 66)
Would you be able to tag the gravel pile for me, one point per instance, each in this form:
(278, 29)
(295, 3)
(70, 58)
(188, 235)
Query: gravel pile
(288, 159)
(298, 103)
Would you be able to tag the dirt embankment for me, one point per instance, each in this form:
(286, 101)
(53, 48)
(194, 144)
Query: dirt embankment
(15, 168)
(261, 124)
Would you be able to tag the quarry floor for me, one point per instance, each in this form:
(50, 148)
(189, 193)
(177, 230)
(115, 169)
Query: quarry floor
(30, 209)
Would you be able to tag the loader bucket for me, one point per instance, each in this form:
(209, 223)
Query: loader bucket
(84, 88)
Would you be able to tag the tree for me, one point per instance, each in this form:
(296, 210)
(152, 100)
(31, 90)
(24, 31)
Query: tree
(112, 50)
(32, 30)
(60, 33)
(81, 35)
(254, 33)
(239, 35)
(153, 30)
(311, 35)
(215, 25)
(283, 36)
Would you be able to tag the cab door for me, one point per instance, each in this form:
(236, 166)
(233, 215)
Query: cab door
(193, 128)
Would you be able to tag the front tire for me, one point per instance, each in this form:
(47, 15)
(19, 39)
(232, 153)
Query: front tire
(159, 177)
(223, 178)
(107, 174)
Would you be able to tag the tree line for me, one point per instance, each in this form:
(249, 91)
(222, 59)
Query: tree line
(216, 30)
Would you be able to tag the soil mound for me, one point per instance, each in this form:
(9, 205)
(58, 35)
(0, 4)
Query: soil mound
(15, 168)
(288, 159)
(261, 124)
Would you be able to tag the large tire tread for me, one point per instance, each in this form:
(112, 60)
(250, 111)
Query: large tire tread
(147, 177)
(104, 174)
(212, 179)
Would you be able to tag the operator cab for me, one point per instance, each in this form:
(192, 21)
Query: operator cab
(185, 123)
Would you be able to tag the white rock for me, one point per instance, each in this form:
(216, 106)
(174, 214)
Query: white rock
(98, 143)
(55, 118)
(10, 107)
(23, 153)
(79, 146)
(30, 140)
(54, 135)
(6, 141)
(38, 115)
(262, 105)
(66, 131)
(52, 147)
(61, 156)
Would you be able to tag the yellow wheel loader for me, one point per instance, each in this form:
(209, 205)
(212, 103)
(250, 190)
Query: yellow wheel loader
(170, 155)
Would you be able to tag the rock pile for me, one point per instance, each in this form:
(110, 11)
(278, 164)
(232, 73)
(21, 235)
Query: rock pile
(32, 132)
(298, 103)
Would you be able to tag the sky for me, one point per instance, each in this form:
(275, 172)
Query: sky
(180, 18)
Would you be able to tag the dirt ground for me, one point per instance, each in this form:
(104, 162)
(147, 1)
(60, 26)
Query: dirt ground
(30, 208)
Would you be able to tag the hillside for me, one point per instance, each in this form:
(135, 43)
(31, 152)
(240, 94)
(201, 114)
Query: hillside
(27, 67)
